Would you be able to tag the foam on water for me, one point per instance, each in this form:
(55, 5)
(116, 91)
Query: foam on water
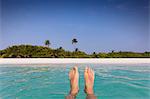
(51, 81)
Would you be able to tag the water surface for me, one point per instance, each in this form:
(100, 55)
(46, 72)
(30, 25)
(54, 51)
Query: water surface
(51, 81)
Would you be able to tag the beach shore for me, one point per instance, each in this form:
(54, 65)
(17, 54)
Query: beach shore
(74, 60)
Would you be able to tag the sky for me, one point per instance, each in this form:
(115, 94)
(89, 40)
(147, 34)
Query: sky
(98, 25)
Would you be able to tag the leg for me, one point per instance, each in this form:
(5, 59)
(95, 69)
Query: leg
(74, 78)
(89, 83)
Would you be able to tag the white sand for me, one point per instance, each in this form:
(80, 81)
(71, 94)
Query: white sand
(75, 60)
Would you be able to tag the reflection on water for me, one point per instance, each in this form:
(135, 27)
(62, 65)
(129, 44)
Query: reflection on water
(51, 82)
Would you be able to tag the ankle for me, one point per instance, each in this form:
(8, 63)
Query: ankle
(89, 91)
(74, 91)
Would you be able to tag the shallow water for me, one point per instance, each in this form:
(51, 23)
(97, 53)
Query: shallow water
(51, 81)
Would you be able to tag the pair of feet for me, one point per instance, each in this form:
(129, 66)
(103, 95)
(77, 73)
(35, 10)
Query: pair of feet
(74, 79)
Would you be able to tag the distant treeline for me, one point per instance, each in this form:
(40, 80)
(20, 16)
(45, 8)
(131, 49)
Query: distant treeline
(29, 51)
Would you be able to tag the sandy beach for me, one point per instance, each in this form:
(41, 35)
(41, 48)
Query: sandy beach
(74, 60)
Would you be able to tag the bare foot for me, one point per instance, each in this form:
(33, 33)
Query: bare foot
(74, 78)
(89, 80)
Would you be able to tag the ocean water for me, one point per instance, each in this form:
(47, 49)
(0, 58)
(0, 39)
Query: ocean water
(51, 81)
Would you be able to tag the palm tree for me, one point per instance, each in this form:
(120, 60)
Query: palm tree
(47, 43)
(74, 41)
(60, 48)
(76, 50)
(94, 53)
(112, 51)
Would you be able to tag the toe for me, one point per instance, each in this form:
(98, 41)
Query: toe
(85, 72)
(75, 69)
(92, 73)
(86, 69)
(71, 73)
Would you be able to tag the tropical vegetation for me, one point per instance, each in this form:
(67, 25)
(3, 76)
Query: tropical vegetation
(30, 51)
(47, 43)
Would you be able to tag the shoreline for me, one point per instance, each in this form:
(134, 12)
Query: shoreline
(74, 61)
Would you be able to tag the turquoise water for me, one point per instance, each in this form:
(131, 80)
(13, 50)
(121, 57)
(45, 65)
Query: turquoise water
(51, 81)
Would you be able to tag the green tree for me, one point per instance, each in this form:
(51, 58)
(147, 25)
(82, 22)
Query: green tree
(47, 43)
(60, 48)
(112, 51)
(94, 53)
(26, 51)
(76, 50)
(74, 41)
